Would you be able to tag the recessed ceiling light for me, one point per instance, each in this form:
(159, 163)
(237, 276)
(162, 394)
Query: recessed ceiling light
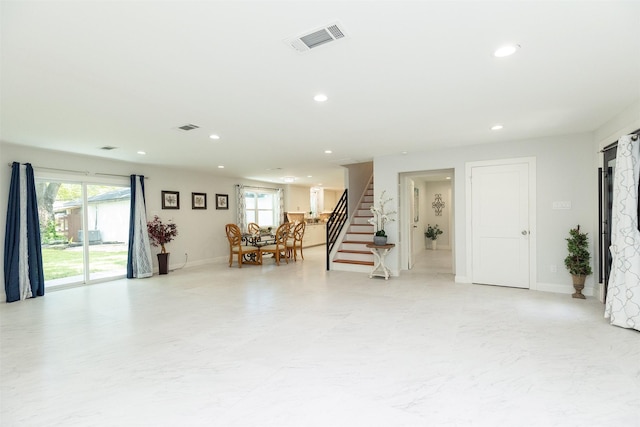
(448, 177)
(321, 97)
(496, 127)
(328, 151)
(506, 50)
(309, 176)
(214, 136)
(289, 179)
(142, 152)
(220, 167)
(403, 152)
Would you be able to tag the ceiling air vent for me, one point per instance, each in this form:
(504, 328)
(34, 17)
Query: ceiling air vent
(188, 127)
(317, 37)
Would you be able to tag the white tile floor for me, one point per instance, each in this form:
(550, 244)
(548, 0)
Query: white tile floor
(297, 346)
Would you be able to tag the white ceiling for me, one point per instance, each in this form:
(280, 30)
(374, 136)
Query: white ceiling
(410, 76)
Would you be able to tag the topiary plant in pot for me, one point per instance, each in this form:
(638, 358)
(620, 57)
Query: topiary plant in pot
(577, 262)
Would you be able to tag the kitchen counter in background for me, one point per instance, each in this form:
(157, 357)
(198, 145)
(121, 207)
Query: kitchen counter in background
(314, 235)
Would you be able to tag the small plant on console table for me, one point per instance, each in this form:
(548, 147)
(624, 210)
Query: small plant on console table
(380, 218)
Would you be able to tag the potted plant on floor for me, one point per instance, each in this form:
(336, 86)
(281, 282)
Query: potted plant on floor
(159, 235)
(577, 262)
(380, 218)
(432, 234)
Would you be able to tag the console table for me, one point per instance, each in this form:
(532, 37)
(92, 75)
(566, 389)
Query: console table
(380, 252)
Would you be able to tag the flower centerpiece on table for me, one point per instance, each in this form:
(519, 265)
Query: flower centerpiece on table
(432, 232)
(160, 233)
(381, 216)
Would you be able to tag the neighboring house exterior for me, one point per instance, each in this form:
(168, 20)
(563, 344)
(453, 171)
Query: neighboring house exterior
(106, 214)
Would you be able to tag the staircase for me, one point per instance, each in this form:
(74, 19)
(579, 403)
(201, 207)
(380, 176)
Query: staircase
(353, 254)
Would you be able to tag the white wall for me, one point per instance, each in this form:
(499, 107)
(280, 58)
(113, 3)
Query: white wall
(200, 232)
(358, 175)
(624, 123)
(565, 172)
(443, 221)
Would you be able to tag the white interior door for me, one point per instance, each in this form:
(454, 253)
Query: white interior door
(414, 227)
(407, 227)
(500, 224)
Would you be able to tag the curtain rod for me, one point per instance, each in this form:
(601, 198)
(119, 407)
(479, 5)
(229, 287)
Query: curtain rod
(81, 172)
(634, 137)
(257, 188)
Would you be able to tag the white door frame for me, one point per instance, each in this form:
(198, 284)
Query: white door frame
(531, 161)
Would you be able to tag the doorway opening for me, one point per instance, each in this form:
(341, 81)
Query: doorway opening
(426, 199)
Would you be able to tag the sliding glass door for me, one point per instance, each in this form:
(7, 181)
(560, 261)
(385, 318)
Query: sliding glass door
(84, 228)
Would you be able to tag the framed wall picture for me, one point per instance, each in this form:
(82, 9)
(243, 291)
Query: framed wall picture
(170, 200)
(198, 200)
(222, 201)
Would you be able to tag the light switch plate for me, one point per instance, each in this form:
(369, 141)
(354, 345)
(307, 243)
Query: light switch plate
(562, 205)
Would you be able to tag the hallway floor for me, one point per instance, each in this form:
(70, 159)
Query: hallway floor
(298, 346)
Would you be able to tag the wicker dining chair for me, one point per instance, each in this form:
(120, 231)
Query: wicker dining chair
(295, 242)
(279, 248)
(253, 228)
(246, 254)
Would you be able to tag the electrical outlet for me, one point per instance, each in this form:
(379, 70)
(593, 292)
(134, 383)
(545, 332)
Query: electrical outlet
(553, 268)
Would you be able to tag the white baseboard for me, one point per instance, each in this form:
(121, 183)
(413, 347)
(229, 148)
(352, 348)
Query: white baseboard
(197, 263)
(547, 287)
(562, 288)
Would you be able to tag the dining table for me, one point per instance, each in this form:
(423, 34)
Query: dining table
(258, 240)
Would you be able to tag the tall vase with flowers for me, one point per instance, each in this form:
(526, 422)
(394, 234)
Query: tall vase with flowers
(160, 234)
(380, 217)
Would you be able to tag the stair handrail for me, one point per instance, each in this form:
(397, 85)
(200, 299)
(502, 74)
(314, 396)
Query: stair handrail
(336, 222)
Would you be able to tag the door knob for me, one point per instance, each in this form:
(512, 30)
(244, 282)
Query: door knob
(525, 232)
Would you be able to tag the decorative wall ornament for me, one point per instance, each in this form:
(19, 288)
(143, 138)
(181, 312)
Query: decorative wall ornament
(438, 204)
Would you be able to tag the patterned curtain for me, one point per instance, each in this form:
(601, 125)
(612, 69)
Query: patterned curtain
(280, 214)
(139, 260)
(623, 293)
(23, 272)
(241, 208)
